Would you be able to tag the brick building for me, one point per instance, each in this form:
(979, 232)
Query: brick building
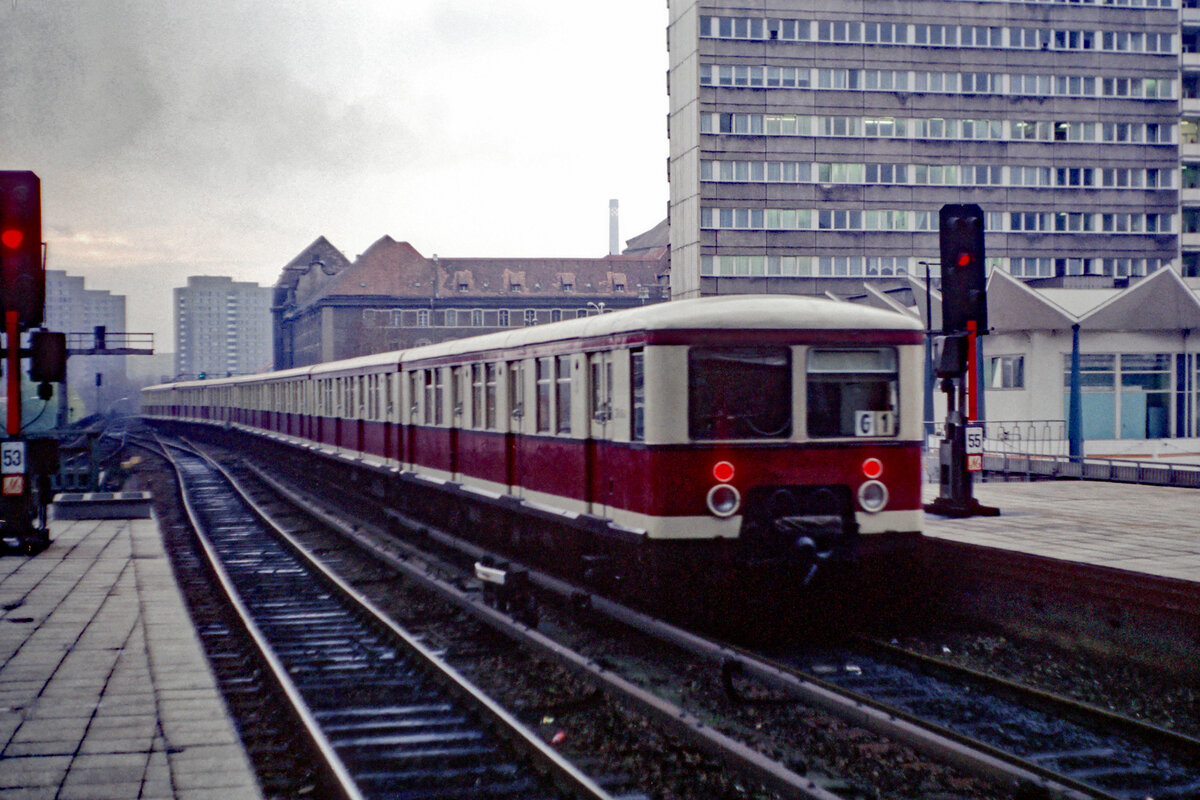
(393, 297)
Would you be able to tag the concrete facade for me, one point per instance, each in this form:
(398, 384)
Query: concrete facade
(812, 142)
(222, 327)
(72, 308)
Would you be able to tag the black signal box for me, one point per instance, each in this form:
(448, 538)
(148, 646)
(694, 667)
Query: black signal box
(22, 277)
(964, 267)
(48, 351)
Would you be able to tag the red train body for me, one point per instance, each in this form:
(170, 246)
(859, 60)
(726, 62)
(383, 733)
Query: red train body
(690, 446)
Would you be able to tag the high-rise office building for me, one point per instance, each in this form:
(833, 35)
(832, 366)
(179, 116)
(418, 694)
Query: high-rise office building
(812, 142)
(222, 327)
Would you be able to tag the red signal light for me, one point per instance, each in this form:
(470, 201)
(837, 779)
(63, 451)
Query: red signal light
(12, 238)
(872, 468)
(964, 259)
(723, 471)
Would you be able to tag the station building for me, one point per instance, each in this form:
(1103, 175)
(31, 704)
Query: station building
(1139, 364)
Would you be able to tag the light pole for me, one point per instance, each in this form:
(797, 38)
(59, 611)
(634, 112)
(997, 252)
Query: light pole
(598, 306)
(929, 379)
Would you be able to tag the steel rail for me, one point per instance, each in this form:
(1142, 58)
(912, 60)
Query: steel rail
(344, 784)
(940, 743)
(567, 776)
(1163, 737)
(685, 724)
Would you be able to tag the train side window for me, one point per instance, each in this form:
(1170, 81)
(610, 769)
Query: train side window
(477, 396)
(739, 393)
(456, 394)
(428, 414)
(439, 395)
(516, 391)
(562, 395)
(416, 388)
(545, 377)
(489, 396)
(852, 392)
(637, 399)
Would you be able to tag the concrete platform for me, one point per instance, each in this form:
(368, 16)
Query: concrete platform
(1153, 530)
(104, 689)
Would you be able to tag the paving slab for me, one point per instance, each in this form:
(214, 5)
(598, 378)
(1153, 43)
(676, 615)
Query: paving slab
(104, 688)
(1149, 529)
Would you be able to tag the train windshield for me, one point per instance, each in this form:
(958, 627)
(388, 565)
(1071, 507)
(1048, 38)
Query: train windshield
(739, 393)
(852, 392)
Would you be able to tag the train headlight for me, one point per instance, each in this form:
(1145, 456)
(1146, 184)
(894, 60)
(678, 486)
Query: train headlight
(724, 500)
(872, 496)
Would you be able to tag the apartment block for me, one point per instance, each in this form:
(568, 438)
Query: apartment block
(222, 327)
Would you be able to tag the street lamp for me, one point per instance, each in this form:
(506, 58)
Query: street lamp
(598, 306)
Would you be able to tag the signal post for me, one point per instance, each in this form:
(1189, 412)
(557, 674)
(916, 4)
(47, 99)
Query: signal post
(22, 307)
(964, 317)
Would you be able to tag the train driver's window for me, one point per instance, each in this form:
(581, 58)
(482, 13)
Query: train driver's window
(852, 392)
(739, 393)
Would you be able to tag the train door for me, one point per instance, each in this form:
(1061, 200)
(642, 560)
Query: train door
(515, 388)
(600, 412)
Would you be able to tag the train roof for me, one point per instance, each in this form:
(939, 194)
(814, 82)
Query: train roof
(726, 312)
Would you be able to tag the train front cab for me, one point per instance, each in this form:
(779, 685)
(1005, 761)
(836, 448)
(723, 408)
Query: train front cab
(775, 466)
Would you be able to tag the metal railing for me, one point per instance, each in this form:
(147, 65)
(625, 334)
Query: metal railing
(1044, 437)
(1039, 450)
(1092, 468)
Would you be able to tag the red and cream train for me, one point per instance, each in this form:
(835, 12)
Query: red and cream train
(700, 445)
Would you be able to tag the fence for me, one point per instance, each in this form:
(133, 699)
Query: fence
(1039, 450)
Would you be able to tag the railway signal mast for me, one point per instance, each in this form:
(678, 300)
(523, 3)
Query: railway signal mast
(22, 307)
(964, 316)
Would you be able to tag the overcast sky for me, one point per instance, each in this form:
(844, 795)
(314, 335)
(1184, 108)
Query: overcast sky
(220, 137)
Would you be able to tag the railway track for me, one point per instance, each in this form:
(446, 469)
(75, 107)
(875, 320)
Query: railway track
(1061, 748)
(1088, 749)
(387, 715)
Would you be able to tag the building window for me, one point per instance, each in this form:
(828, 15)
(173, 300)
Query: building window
(504, 318)
(1126, 397)
(1006, 372)
(556, 315)
(423, 318)
(477, 318)
(530, 317)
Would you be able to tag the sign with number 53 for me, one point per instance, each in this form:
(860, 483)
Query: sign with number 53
(12, 458)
